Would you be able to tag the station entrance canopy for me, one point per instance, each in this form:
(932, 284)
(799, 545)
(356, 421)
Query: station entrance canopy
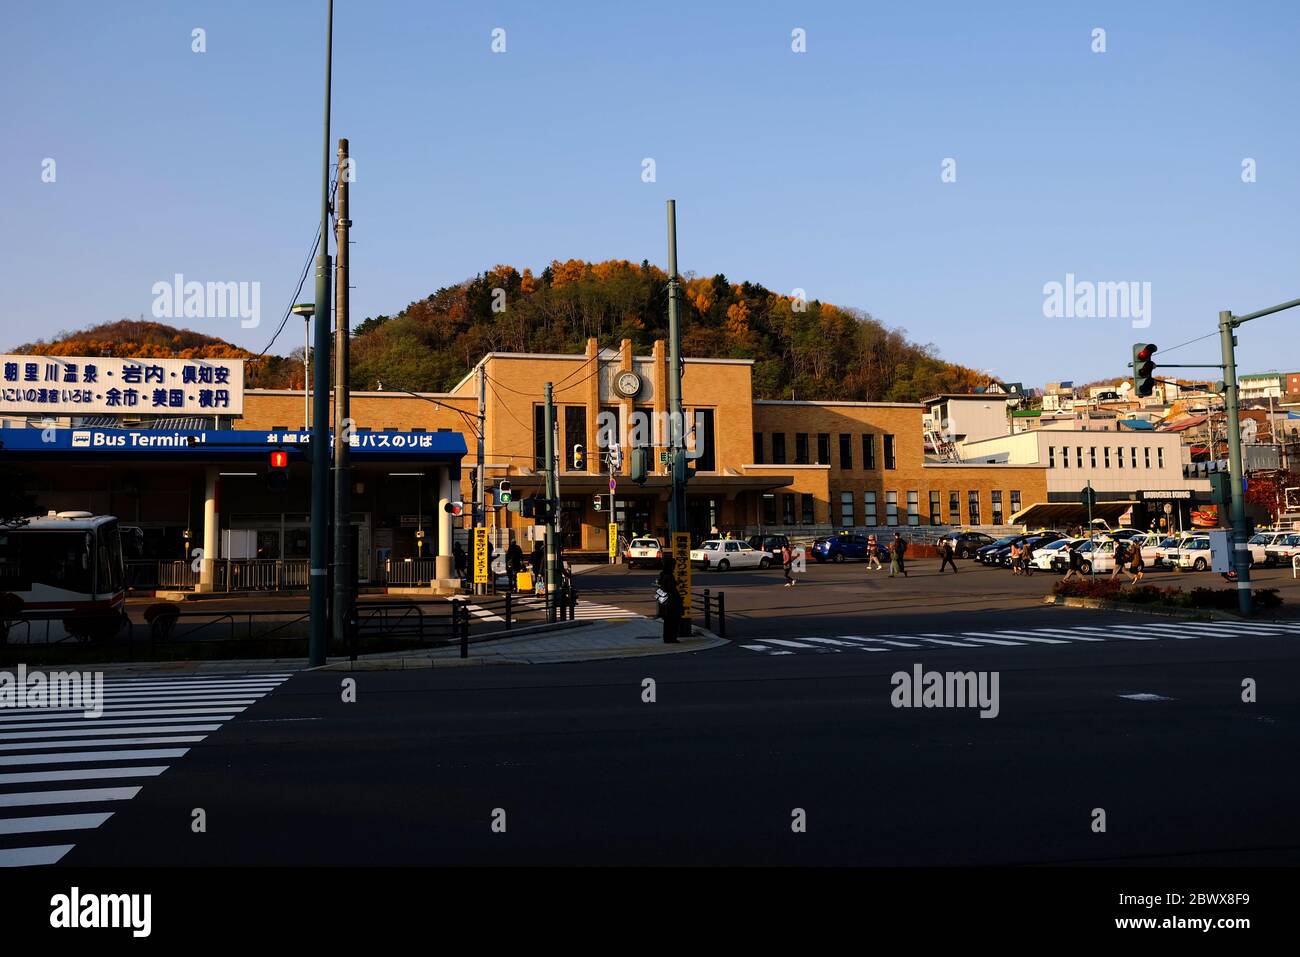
(1065, 514)
(221, 445)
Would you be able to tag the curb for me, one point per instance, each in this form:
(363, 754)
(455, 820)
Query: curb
(1189, 614)
(701, 641)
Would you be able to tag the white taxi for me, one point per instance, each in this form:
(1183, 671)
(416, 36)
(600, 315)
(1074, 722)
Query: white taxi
(725, 553)
(644, 551)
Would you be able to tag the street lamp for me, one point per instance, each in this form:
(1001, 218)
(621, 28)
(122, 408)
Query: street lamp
(306, 310)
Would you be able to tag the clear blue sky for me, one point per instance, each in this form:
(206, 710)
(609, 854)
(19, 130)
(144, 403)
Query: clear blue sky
(819, 170)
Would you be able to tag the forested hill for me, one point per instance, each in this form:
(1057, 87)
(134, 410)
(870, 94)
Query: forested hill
(811, 350)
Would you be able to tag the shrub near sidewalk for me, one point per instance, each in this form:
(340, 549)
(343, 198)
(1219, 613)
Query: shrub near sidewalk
(1224, 599)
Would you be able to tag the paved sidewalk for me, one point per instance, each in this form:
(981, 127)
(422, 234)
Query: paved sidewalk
(635, 638)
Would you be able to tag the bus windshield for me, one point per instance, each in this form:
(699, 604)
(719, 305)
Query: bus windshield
(54, 559)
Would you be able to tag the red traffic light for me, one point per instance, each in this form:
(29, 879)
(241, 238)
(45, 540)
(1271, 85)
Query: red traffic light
(279, 459)
(454, 508)
(1146, 352)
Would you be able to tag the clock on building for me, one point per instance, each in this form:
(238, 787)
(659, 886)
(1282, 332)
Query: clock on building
(627, 384)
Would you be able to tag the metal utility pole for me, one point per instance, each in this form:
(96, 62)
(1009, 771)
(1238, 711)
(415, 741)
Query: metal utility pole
(345, 575)
(318, 641)
(549, 425)
(480, 491)
(1240, 532)
(676, 417)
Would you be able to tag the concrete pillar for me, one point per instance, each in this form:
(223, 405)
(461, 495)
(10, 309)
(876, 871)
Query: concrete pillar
(211, 533)
(444, 566)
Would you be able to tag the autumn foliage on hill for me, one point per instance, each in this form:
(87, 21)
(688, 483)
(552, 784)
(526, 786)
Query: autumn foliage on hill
(808, 350)
(811, 350)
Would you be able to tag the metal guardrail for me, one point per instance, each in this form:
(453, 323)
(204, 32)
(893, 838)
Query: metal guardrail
(410, 571)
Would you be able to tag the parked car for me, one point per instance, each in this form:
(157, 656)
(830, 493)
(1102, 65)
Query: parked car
(1281, 553)
(984, 551)
(1195, 554)
(1166, 553)
(836, 548)
(1148, 542)
(1035, 539)
(723, 554)
(770, 543)
(1045, 557)
(1259, 545)
(644, 551)
(1097, 554)
(1123, 534)
(964, 544)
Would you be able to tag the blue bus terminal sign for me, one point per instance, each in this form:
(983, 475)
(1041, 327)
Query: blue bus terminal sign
(219, 444)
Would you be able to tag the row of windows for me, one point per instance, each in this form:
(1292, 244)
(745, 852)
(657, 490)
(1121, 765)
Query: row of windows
(1064, 456)
(571, 424)
(874, 509)
(801, 448)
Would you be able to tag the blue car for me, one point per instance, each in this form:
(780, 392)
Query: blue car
(839, 547)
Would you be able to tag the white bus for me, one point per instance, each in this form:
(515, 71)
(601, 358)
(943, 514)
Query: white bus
(61, 569)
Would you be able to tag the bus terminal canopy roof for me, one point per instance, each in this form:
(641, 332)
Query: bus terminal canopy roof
(1064, 514)
(223, 445)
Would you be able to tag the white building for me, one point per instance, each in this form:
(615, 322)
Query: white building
(1134, 472)
(966, 417)
(1262, 385)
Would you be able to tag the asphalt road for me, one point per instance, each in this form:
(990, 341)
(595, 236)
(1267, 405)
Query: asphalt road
(711, 772)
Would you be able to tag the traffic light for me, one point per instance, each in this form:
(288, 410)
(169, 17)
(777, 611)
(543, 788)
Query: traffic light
(1144, 382)
(640, 464)
(615, 458)
(598, 500)
(277, 476)
(578, 457)
(543, 510)
(503, 493)
(454, 508)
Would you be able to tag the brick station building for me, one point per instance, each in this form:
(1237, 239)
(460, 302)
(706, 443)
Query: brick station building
(804, 467)
(799, 466)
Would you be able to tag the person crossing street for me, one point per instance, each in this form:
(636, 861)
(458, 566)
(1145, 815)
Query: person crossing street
(945, 552)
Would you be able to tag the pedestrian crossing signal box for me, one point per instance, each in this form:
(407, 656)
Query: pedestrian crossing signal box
(277, 475)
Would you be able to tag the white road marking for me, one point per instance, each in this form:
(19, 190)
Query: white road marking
(74, 796)
(74, 757)
(33, 856)
(53, 822)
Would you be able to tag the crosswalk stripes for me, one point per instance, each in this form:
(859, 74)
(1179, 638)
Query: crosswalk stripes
(1020, 637)
(43, 749)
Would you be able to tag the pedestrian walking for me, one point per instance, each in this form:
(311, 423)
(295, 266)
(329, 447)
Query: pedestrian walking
(787, 563)
(669, 600)
(897, 563)
(1027, 560)
(1015, 558)
(460, 560)
(1137, 566)
(1121, 557)
(873, 554)
(945, 553)
(1076, 563)
(514, 563)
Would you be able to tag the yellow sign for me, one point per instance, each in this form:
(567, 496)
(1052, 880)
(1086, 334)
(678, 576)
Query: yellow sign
(682, 569)
(613, 540)
(480, 555)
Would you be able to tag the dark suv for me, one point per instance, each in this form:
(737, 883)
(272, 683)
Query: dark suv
(770, 543)
(836, 548)
(964, 544)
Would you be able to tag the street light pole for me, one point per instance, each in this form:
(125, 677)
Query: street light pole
(318, 641)
(345, 575)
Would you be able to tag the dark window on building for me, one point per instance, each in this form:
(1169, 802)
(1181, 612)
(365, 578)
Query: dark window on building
(758, 448)
(806, 508)
(890, 461)
(913, 508)
(869, 517)
(769, 509)
(609, 426)
(868, 452)
(846, 509)
(1015, 501)
(954, 508)
(390, 429)
(936, 512)
(787, 508)
(973, 507)
(823, 448)
(891, 508)
(846, 451)
(575, 433)
(997, 507)
(416, 428)
(704, 441)
(778, 448)
(539, 437)
(801, 448)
